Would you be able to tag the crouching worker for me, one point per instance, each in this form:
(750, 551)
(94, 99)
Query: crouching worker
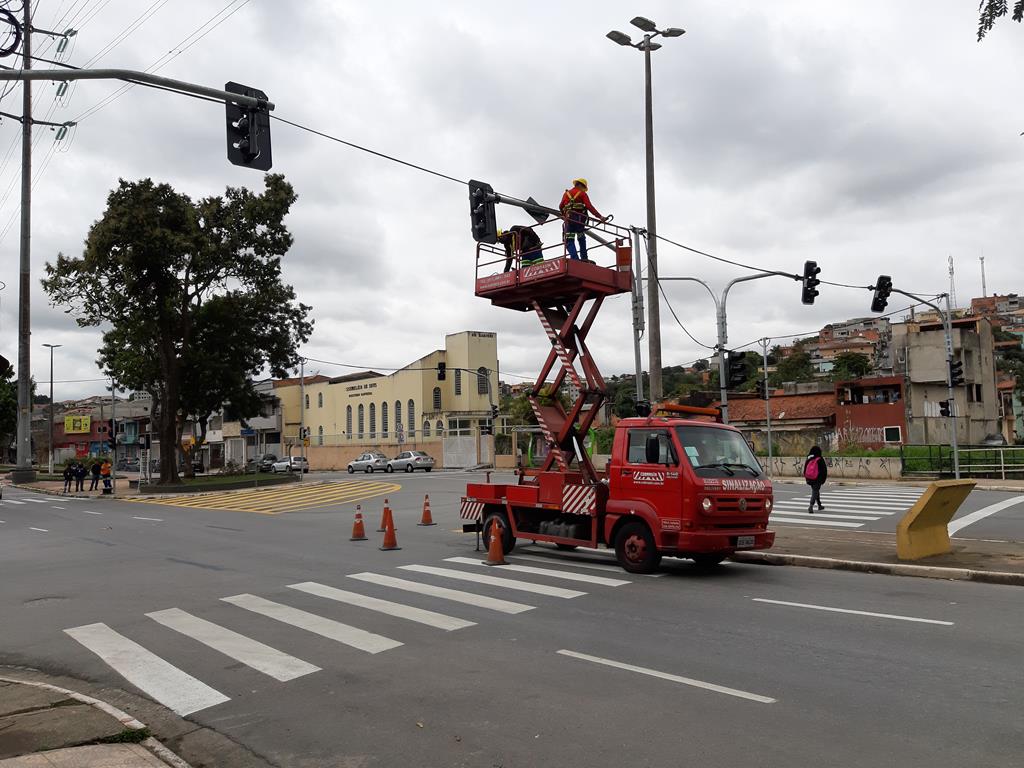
(521, 241)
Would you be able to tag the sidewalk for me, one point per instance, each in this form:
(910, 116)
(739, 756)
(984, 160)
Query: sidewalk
(970, 559)
(43, 726)
(984, 484)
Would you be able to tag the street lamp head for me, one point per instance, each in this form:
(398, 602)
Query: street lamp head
(619, 37)
(652, 46)
(645, 24)
(673, 32)
(53, 346)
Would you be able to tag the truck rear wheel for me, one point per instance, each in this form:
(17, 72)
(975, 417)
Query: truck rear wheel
(508, 541)
(635, 548)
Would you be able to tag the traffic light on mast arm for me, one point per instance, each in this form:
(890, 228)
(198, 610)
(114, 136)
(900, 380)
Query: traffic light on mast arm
(737, 367)
(482, 221)
(762, 389)
(248, 130)
(441, 371)
(810, 282)
(944, 407)
(956, 373)
(883, 288)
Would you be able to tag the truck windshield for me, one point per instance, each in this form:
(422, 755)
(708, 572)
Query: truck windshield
(717, 452)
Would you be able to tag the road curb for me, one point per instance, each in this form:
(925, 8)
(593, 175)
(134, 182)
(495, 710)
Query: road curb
(891, 569)
(914, 483)
(152, 744)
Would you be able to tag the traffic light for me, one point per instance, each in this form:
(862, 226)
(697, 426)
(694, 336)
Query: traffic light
(882, 290)
(481, 212)
(248, 130)
(486, 429)
(494, 412)
(737, 366)
(5, 366)
(811, 281)
(762, 389)
(441, 371)
(956, 373)
(944, 407)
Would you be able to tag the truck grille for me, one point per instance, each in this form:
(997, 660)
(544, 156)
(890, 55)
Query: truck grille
(733, 505)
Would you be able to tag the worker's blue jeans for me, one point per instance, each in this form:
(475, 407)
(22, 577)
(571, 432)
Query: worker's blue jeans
(573, 233)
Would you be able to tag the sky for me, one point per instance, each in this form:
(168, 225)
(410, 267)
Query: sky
(872, 137)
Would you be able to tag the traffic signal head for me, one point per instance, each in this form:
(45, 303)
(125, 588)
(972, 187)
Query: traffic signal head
(482, 221)
(737, 367)
(248, 130)
(810, 282)
(883, 288)
(441, 371)
(762, 389)
(494, 411)
(944, 407)
(956, 373)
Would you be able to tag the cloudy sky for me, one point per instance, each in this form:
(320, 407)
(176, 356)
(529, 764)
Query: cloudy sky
(874, 137)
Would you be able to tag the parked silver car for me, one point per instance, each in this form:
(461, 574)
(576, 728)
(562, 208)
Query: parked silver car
(293, 464)
(407, 461)
(369, 462)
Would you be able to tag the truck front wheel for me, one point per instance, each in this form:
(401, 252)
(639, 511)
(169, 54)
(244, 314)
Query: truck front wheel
(635, 548)
(508, 541)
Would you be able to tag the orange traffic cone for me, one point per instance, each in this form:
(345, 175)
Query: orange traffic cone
(390, 541)
(426, 519)
(358, 531)
(495, 552)
(384, 515)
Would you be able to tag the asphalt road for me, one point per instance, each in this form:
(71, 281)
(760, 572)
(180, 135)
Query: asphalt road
(577, 664)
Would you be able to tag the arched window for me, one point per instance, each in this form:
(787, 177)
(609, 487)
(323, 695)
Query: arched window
(361, 421)
(320, 435)
(398, 415)
(437, 398)
(307, 402)
(373, 421)
(426, 429)
(383, 419)
(440, 428)
(320, 400)
(458, 381)
(348, 422)
(482, 382)
(411, 415)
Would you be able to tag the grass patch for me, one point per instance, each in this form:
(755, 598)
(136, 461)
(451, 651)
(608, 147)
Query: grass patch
(127, 736)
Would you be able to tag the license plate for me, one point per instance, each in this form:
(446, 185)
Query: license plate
(744, 542)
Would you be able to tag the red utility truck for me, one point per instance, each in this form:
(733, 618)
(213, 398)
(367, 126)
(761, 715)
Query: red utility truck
(674, 486)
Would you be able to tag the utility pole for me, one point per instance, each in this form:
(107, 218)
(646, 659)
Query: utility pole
(638, 316)
(302, 413)
(23, 473)
(50, 446)
(984, 292)
(767, 401)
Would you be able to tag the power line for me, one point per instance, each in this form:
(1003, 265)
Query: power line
(661, 289)
(393, 370)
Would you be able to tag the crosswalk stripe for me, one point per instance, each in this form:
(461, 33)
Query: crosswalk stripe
(13, 501)
(252, 653)
(430, 618)
(809, 521)
(850, 503)
(567, 575)
(827, 515)
(36, 501)
(444, 593)
(833, 506)
(172, 687)
(522, 586)
(329, 628)
(576, 562)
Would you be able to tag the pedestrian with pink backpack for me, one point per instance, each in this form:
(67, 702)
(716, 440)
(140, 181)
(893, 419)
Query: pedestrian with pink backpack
(815, 473)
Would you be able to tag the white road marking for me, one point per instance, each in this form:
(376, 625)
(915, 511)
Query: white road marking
(857, 613)
(430, 618)
(145, 670)
(35, 501)
(13, 501)
(56, 507)
(90, 512)
(334, 630)
(576, 563)
(252, 653)
(491, 581)
(151, 519)
(41, 530)
(670, 677)
(962, 522)
(809, 521)
(847, 504)
(455, 595)
(827, 515)
(567, 575)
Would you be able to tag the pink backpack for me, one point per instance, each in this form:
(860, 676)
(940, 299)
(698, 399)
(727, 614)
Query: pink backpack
(811, 470)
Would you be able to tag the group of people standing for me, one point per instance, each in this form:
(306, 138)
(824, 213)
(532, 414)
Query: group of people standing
(76, 472)
(575, 208)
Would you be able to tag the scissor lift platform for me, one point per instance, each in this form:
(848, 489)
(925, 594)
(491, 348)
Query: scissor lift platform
(552, 283)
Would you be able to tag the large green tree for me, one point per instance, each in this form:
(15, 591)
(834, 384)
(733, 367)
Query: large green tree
(796, 367)
(8, 407)
(193, 296)
(991, 10)
(850, 365)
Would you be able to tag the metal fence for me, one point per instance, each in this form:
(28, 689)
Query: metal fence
(1002, 462)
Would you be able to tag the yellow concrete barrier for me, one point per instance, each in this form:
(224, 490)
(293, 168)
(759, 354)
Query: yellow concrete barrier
(923, 530)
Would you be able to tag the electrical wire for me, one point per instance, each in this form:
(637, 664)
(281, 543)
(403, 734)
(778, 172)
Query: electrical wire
(393, 370)
(661, 289)
(125, 33)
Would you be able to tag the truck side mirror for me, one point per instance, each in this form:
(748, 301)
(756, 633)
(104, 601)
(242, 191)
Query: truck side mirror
(652, 449)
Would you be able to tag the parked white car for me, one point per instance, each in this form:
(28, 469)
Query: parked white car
(293, 464)
(408, 461)
(368, 462)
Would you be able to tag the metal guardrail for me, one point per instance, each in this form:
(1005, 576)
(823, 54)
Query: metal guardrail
(1002, 462)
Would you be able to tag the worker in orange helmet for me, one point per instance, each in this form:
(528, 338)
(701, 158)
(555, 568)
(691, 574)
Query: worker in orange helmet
(574, 207)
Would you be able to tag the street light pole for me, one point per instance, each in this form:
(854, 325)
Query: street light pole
(50, 446)
(651, 31)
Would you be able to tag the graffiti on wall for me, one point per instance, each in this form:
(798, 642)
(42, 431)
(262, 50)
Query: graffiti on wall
(844, 467)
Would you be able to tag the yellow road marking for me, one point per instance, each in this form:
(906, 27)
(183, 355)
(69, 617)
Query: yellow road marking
(277, 500)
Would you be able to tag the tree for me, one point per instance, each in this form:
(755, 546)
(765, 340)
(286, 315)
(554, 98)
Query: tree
(700, 365)
(796, 367)
(850, 365)
(990, 10)
(8, 407)
(193, 295)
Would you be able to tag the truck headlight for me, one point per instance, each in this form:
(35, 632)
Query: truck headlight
(767, 505)
(705, 504)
